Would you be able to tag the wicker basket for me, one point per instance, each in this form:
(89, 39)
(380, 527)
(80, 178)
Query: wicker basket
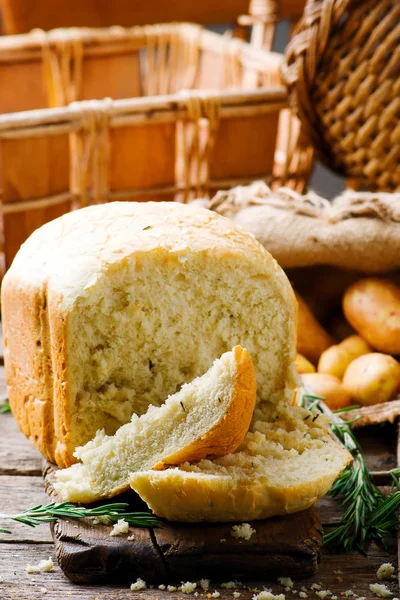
(344, 78)
(172, 144)
(293, 143)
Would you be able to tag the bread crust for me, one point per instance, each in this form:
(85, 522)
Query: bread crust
(184, 496)
(226, 435)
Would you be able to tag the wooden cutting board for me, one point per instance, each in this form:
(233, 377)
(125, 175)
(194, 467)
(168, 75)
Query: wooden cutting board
(284, 546)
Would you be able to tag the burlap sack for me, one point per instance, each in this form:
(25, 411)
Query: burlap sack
(356, 231)
(324, 247)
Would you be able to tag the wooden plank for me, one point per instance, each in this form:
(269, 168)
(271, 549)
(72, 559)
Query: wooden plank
(19, 18)
(357, 572)
(18, 456)
(283, 546)
(17, 493)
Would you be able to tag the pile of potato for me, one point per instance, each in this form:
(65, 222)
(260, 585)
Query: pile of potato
(361, 369)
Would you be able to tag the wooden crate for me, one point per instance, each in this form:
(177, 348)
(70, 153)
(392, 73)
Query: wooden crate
(178, 140)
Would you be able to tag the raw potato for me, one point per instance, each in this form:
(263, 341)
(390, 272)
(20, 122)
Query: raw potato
(303, 365)
(336, 359)
(373, 378)
(329, 387)
(372, 307)
(312, 339)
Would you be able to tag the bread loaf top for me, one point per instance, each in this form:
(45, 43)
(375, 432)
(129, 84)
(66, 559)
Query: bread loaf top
(70, 253)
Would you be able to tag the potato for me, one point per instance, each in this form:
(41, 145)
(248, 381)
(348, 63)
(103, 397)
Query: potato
(312, 339)
(372, 378)
(303, 365)
(372, 307)
(329, 387)
(336, 359)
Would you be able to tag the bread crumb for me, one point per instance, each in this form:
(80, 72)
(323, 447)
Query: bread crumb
(244, 531)
(222, 540)
(315, 586)
(215, 595)
(334, 598)
(267, 595)
(131, 538)
(44, 566)
(385, 571)
(43, 590)
(161, 587)
(204, 584)
(287, 582)
(188, 587)
(380, 590)
(103, 519)
(138, 585)
(196, 594)
(229, 585)
(302, 595)
(349, 593)
(323, 593)
(120, 527)
(171, 588)
(236, 595)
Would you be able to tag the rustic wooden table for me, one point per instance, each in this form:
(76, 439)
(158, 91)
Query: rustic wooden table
(22, 487)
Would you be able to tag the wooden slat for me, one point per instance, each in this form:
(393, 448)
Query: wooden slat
(18, 456)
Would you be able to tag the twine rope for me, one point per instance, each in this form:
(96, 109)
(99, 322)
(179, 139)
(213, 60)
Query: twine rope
(62, 60)
(90, 151)
(347, 205)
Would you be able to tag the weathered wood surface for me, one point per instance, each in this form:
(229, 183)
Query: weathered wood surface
(21, 487)
(287, 546)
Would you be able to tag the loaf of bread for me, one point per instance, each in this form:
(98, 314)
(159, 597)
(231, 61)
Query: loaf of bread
(113, 307)
(207, 418)
(286, 463)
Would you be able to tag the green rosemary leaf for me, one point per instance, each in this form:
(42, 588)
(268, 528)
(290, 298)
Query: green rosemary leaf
(51, 512)
(5, 408)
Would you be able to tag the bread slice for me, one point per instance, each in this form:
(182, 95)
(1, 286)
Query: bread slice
(111, 308)
(286, 463)
(207, 418)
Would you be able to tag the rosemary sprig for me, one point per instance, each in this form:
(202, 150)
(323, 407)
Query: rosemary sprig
(51, 512)
(369, 516)
(5, 408)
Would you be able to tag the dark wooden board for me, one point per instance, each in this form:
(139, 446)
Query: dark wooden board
(285, 546)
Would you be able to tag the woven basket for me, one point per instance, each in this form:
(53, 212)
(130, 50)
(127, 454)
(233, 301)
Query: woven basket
(294, 146)
(171, 144)
(344, 79)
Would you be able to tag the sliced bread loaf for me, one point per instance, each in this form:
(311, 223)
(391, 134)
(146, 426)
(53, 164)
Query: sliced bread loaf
(286, 463)
(113, 307)
(207, 418)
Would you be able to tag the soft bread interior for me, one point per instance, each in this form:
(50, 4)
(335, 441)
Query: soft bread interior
(285, 464)
(148, 325)
(208, 417)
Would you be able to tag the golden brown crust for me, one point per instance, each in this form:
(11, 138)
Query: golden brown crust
(226, 435)
(190, 497)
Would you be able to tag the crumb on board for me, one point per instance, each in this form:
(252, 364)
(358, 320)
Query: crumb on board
(204, 584)
(44, 566)
(315, 586)
(43, 590)
(302, 595)
(244, 531)
(323, 594)
(268, 595)
(171, 588)
(380, 590)
(229, 585)
(287, 583)
(120, 527)
(385, 571)
(138, 585)
(236, 595)
(161, 587)
(103, 519)
(188, 587)
(131, 537)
